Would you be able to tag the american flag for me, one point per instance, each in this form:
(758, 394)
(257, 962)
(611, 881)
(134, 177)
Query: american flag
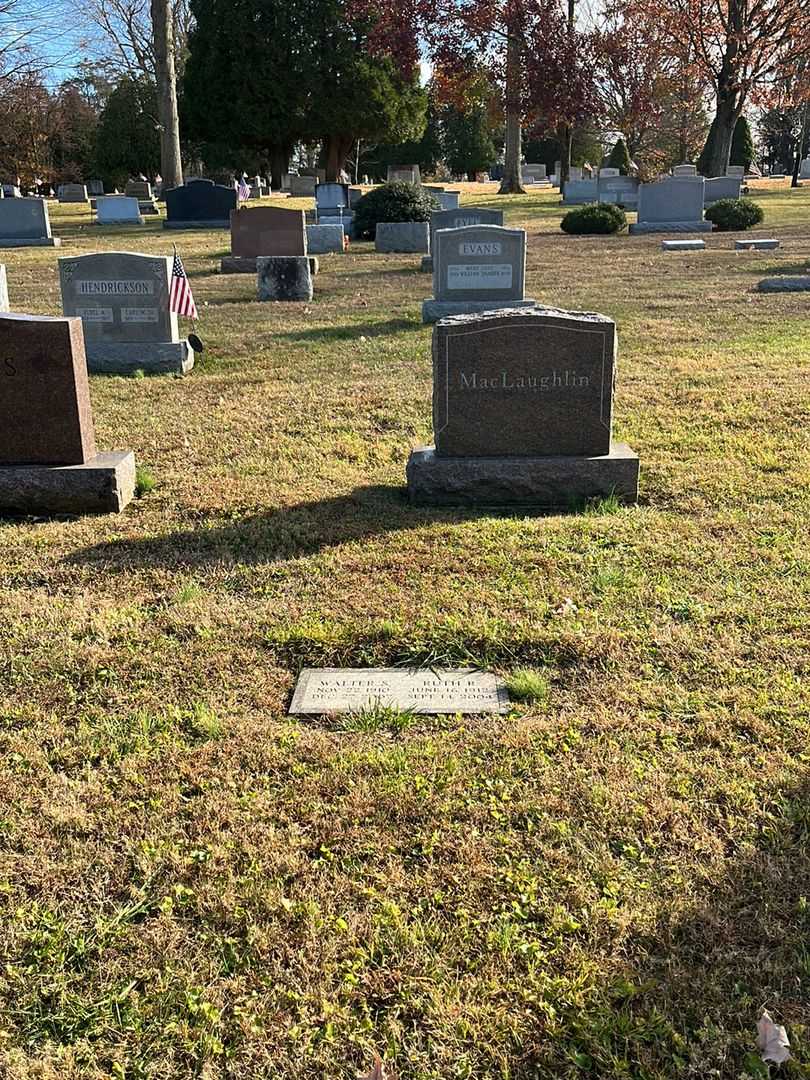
(243, 190)
(180, 299)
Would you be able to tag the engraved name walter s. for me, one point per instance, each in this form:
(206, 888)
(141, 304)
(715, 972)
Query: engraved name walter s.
(471, 380)
(481, 248)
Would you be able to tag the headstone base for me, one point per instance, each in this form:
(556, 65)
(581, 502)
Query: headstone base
(151, 357)
(103, 485)
(756, 245)
(433, 310)
(39, 241)
(244, 264)
(641, 227)
(785, 284)
(284, 278)
(196, 224)
(542, 482)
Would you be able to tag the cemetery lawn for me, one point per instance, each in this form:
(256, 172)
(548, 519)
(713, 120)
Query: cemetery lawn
(612, 881)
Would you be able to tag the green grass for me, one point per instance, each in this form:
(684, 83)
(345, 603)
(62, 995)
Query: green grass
(611, 881)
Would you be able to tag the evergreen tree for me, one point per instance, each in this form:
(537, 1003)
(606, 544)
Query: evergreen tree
(127, 138)
(468, 141)
(742, 144)
(619, 158)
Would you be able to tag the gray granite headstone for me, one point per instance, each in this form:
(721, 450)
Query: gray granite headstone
(122, 299)
(118, 210)
(672, 205)
(477, 268)
(25, 223)
(320, 691)
(73, 193)
(721, 187)
(580, 192)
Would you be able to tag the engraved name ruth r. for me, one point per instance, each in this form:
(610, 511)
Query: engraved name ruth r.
(504, 381)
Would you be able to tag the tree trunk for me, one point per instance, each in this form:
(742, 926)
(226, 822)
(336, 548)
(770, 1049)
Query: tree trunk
(565, 136)
(800, 148)
(718, 143)
(279, 164)
(336, 150)
(511, 183)
(163, 33)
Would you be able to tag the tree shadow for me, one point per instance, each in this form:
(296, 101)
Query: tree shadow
(687, 1001)
(352, 331)
(288, 532)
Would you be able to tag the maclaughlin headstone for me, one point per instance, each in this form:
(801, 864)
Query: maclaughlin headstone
(426, 691)
(48, 457)
(122, 299)
(523, 413)
(477, 268)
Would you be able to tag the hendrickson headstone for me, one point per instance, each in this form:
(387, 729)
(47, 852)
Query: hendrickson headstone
(122, 299)
(674, 204)
(523, 412)
(118, 210)
(25, 223)
(48, 457)
(477, 268)
(199, 204)
(426, 691)
(457, 219)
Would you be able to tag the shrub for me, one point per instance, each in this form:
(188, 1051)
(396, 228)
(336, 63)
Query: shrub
(596, 218)
(731, 215)
(392, 202)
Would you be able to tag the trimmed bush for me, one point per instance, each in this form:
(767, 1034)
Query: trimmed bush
(398, 201)
(734, 215)
(595, 218)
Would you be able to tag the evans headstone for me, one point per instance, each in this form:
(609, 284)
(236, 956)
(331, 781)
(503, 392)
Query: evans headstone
(522, 413)
(199, 204)
(426, 691)
(671, 205)
(477, 268)
(457, 219)
(25, 223)
(122, 299)
(48, 458)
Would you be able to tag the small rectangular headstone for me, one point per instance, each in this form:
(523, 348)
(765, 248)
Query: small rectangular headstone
(23, 222)
(683, 245)
(759, 244)
(320, 691)
(268, 230)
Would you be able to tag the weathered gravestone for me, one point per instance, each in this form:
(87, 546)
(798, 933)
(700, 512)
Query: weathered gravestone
(408, 237)
(684, 170)
(265, 231)
(95, 187)
(618, 190)
(408, 174)
(736, 170)
(4, 304)
(118, 210)
(25, 223)
(73, 193)
(581, 192)
(477, 268)
(721, 187)
(332, 201)
(122, 299)
(522, 413)
(142, 191)
(199, 204)
(302, 185)
(48, 458)
(448, 200)
(671, 205)
(457, 219)
(425, 691)
(325, 239)
(284, 278)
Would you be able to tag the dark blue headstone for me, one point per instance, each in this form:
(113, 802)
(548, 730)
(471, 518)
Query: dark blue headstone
(199, 204)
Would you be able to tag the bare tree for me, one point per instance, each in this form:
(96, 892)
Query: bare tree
(166, 78)
(125, 28)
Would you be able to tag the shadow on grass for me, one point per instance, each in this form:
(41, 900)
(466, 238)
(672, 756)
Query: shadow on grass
(352, 331)
(291, 532)
(687, 1001)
